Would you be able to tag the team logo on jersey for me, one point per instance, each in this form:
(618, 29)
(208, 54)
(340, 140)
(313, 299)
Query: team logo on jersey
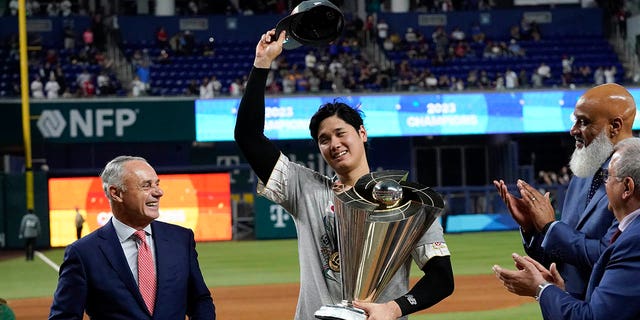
(334, 262)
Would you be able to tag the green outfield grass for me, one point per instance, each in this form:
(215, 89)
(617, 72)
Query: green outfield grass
(236, 263)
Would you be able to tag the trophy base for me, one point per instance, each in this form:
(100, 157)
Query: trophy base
(337, 312)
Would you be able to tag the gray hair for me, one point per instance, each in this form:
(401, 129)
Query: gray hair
(628, 165)
(112, 174)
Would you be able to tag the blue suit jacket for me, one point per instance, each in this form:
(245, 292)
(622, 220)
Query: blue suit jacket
(576, 242)
(612, 292)
(95, 277)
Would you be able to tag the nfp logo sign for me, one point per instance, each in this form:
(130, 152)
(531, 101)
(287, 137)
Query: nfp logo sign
(88, 123)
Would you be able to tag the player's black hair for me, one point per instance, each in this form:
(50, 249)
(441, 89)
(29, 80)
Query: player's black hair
(350, 115)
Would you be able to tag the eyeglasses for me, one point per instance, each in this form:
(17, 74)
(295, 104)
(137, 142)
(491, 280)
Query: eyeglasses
(606, 176)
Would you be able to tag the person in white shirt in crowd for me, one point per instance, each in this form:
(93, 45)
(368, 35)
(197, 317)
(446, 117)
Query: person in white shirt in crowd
(138, 88)
(510, 79)
(216, 85)
(206, 89)
(457, 34)
(65, 8)
(13, 7)
(598, 76)
(52, 87)
(37, 88)
(610, 74)
(310, 60)
(544, 70)
(236, 88)
(383, 29)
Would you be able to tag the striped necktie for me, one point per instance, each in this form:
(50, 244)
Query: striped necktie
(147, 282)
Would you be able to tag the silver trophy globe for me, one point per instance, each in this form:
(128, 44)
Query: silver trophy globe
(379, 222)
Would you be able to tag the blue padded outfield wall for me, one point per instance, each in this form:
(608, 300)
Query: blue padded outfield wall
(556, 22)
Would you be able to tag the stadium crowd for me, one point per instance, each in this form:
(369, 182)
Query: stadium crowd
(405, 60)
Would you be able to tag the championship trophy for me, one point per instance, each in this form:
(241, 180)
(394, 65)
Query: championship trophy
(379, 222)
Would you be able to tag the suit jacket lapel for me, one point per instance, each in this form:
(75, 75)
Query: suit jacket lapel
(112, 250)
(163, 257)
(597, 197)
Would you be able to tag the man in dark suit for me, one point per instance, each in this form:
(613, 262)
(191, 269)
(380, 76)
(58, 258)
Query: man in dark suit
(609, 295)
(603, 116)
(133, 267)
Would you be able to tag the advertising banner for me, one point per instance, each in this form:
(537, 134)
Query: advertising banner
(200, 202)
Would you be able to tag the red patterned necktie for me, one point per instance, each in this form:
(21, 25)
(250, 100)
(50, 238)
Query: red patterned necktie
(615, 236)
(146, 271)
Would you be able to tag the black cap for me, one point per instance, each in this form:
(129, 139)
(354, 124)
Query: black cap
(312, 22)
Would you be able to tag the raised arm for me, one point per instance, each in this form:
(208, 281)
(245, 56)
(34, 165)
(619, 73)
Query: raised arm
(259, 151)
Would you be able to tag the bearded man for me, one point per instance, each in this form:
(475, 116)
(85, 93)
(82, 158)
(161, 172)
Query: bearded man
(603, 116)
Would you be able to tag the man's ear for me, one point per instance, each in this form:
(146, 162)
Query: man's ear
(616, 126)
(363, 133)
(115, 193)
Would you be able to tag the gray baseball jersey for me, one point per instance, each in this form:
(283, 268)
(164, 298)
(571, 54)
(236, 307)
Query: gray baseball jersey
(308, 197)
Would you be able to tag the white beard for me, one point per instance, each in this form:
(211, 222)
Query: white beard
(587, 160)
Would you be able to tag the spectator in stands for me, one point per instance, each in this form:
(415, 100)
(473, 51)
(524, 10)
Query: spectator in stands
(105, 87)
(514, 33)
(472, 79)
(510, 79)
(162, 38)
(604, 116)
(610, 74)
(52, 87)
(37, 88)
(236, 88)
(192, 89)
(53, 8)
(61, 79)
(523, 79)
(206, 89)
(457, 34)
(13, 7)
(598, 76)
(65, 8)
(564, 176)
(567, 64)
(484, 81)
(83, 77)
(514, 49)
(143, 72)
(525, 29)
(192, 8)
(544, 71)
(87, 39)
(499, 84)
(88, 89)
(383, 29)
(69, 38)
(163, 57)
(410, 36)
(216, 85)
(536, 80)
(310, 60)
(138, 88)
(585, 74)
(476, 33)
(458, 84)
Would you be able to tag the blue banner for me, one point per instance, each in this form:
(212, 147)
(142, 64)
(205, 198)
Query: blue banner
(408, 114)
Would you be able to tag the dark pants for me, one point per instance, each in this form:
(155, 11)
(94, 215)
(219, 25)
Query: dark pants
(30, 244)
(79, 232)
